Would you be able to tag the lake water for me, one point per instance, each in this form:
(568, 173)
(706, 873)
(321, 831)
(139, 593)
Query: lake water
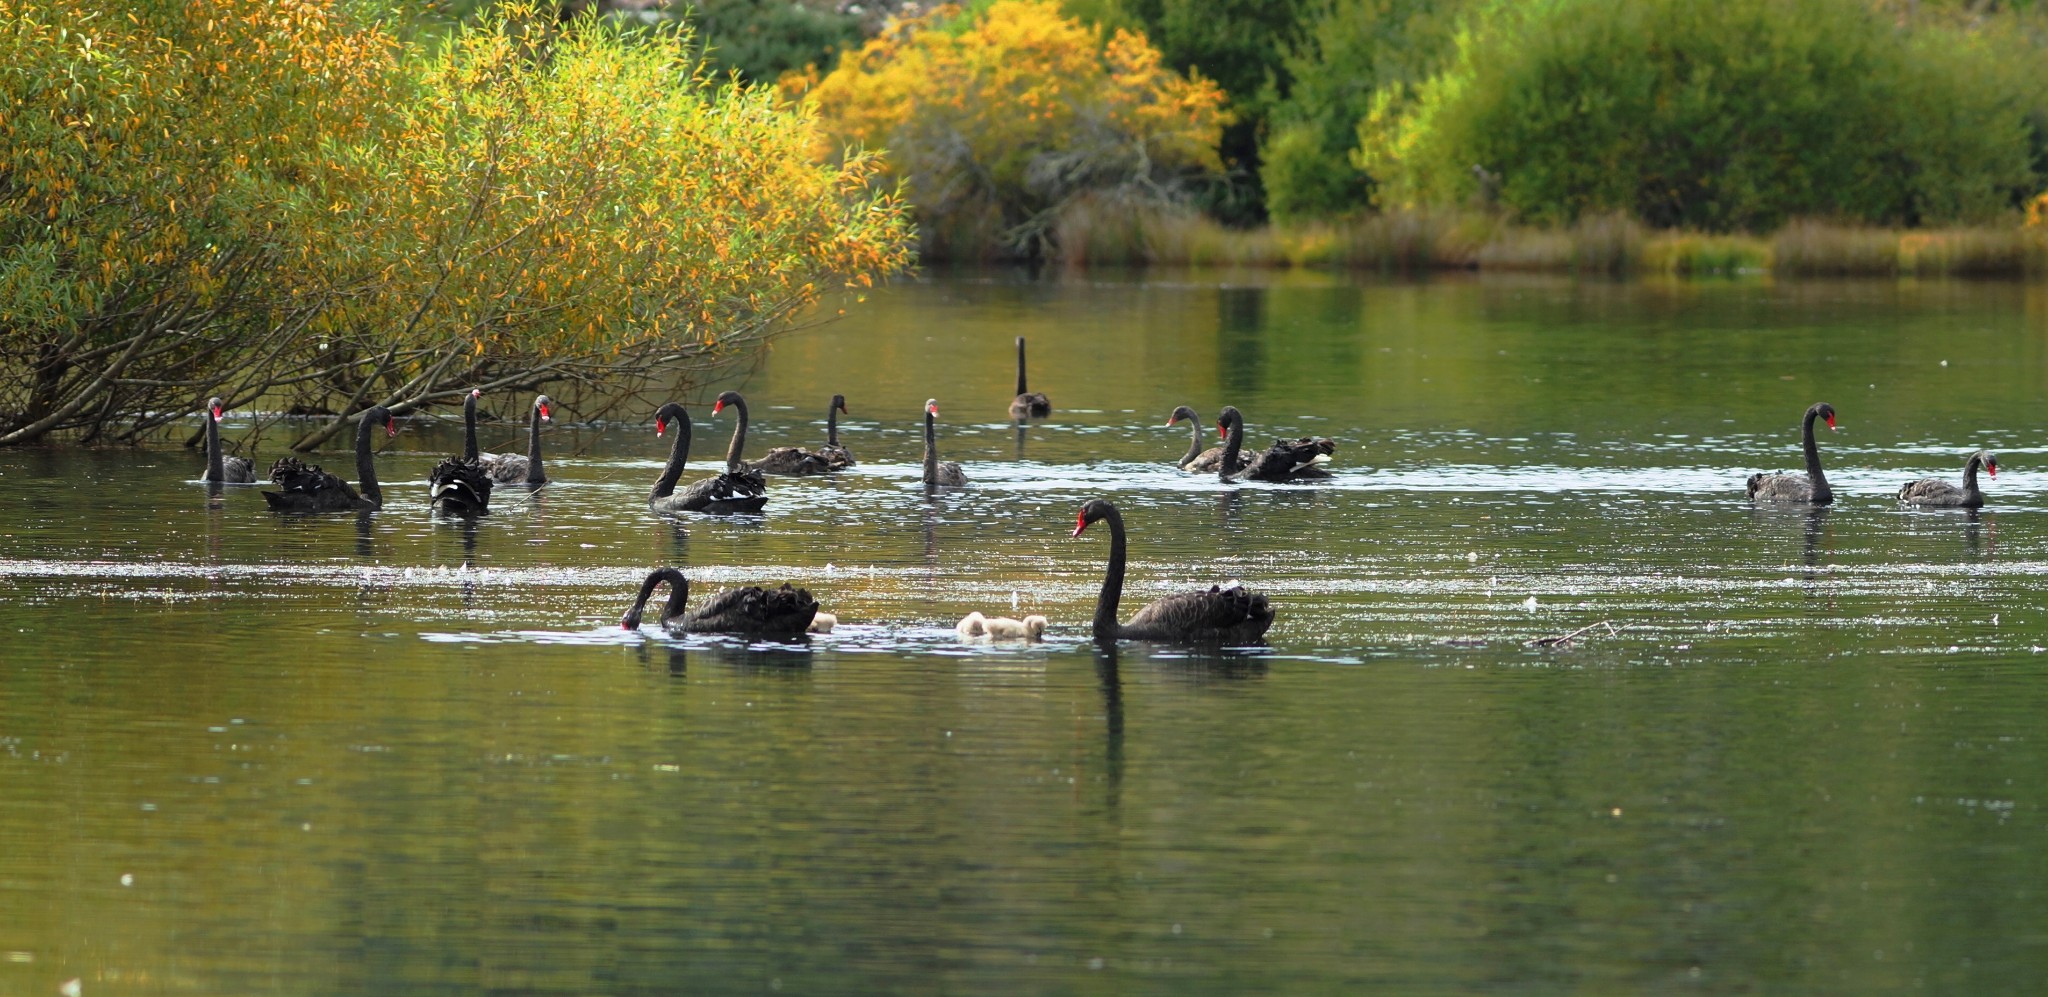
(246, 754)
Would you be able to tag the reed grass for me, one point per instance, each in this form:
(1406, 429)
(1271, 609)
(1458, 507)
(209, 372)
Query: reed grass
(1113, 232)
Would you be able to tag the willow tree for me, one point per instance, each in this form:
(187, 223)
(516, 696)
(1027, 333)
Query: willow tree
(147, 154)
(514, 206)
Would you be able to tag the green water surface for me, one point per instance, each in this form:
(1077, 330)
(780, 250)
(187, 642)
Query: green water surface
(389, 754)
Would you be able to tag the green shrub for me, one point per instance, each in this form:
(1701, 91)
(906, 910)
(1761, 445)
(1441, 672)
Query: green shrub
(1348, 49)
(763, 39)
(1304, 178)
(1738, 114)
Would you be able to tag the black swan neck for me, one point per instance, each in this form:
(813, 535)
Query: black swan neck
(1233, 446)
(931, 448)
(533, 470)
(832, 424)
(678, 455)
(1020, 365)
(1813, 471)
(1970, 475)
(366, 464)
(469, 450)
(1106, 627)
(216, 469)
(739, 436)
(678, 593)
(1194, 442)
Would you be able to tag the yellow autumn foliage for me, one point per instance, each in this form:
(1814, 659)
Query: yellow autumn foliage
(267, 199)
(994, 120)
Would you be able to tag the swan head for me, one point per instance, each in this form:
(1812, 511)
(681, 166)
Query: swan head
(1093, 511)
(727, 398)
(540, 404)
(1224, 418)
(1823, 410)
(839, 402)
(931, 407)
(1183, 412)
(213, 405)
(378, 413)
(1988, 459)
(668, 413)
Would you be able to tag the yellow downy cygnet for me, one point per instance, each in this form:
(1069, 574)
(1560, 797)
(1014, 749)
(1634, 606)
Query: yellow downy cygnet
(1002, 627)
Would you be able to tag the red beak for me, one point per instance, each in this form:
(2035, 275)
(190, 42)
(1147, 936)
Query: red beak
(1080, 523)
(390, 428)
(1831, 421)
(660, 426)
(932, 409)
(1221, 433)
(544, 417)
(1992, 469)
(718, 407)
(216, 413)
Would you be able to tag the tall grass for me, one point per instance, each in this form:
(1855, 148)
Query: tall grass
(1099, 231)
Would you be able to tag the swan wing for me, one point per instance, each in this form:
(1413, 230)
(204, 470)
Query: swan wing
(1780, 487)
(504, 468)
(1932, 491)
(456, 484)
(1220, 611)
(752, 609)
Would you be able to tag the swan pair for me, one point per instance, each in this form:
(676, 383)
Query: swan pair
(1286, 460)
(461, 486)
(1221, 614)
(1812, 487)
(741, 487)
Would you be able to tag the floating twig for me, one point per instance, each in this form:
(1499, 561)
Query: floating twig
(1562, 639)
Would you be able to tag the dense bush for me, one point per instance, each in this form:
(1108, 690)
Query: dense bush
(1735, 114)
(1349, 48)
(999, 119)
(1242, 45)
(763, 39)
(263, 200)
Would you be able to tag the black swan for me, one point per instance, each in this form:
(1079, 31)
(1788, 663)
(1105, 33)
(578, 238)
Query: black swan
(510, 468)
(457, 487)
(1198, 460)
(936, 471)
(219, 469)
(720, 494)
(1812, 487)
(1232, 615)
(1286, 460)
(1029, 404)
(1934, 491)
(797, 460)
(307, 488)
(778, 612)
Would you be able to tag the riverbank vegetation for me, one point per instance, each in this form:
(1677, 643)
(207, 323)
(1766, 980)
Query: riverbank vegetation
(292, 203)
(1800, 136)
(1415, 240)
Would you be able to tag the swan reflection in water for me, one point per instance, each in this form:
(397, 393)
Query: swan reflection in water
(793, 658)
